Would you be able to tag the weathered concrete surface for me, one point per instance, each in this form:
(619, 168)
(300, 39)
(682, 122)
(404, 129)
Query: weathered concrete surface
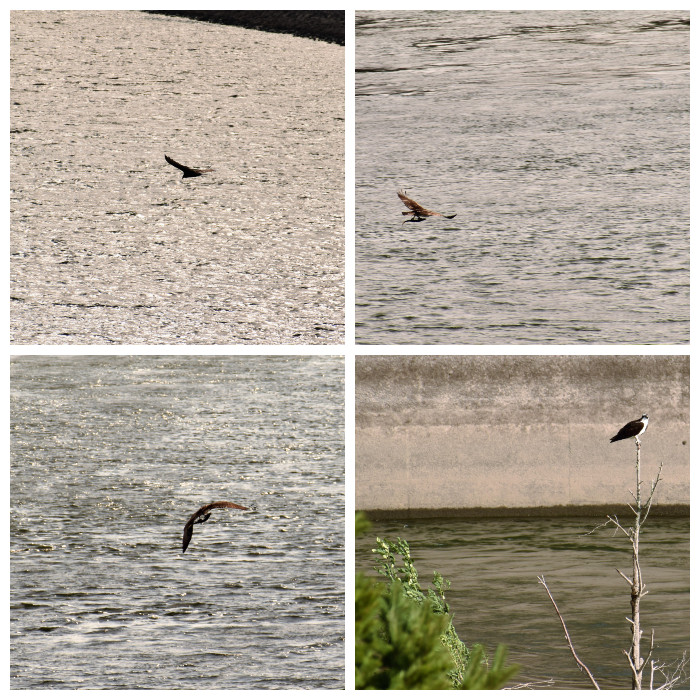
(455, 432)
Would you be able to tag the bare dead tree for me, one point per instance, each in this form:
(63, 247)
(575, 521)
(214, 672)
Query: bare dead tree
(637, 587)
(672, 674)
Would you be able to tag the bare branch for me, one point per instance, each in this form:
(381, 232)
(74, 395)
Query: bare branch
(531, 685)
(597, 527)
(618, 526)
(651, 648)
(627, 578)
(580, 663)
(674, 674)
(647, 505)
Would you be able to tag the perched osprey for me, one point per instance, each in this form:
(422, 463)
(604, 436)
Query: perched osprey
(418, 212)
(633, 429)
(201, 516)
(187, 172)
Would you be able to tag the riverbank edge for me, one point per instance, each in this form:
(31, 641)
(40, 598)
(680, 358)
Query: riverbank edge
(667, 510)
(323, 25)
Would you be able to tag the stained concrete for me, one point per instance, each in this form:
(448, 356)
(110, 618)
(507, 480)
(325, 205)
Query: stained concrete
(469, 432)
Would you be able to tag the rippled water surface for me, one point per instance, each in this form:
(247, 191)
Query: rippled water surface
(561, 142)
(110, 457)
(493, 565)
(111, 245)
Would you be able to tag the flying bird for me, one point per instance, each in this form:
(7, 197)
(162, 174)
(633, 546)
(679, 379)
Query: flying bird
(418, 212)
(201, 516)
(187, 172)
(633, 429)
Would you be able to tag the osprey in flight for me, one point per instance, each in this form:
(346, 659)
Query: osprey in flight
(418, 212)
(633, 429)
(201, 516)
(187, 172)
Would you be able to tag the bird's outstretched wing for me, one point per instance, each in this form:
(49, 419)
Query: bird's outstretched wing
(186, 171)
(417, 210)
(204, 511)
(414, 207)
(186, 537)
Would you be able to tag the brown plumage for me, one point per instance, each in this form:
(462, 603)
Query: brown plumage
(418, 212)
(201, 516)
(187, 172)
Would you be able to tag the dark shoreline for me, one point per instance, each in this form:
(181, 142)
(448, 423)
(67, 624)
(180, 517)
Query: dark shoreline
(325, 25)
(661, 510)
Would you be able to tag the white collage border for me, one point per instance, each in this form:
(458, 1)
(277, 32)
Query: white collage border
(348, 350)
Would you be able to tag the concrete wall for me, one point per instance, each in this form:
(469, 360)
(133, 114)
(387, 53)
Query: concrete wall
(456, 432)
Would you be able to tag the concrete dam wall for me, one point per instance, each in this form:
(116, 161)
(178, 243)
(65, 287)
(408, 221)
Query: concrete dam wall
(460, 433)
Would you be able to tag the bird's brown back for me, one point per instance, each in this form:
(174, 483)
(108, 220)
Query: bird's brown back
(414, 206)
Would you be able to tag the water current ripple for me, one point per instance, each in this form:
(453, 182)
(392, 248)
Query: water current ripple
(561, 140)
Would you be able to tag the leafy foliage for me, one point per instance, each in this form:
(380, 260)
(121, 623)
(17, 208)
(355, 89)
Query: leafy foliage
(404, 637)
(395, 639)
(407, 576)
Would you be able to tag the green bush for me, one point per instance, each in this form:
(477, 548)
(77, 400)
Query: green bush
(404, 638)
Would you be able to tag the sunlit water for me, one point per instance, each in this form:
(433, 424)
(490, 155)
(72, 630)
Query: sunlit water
(493, 565)
(110, 456)
(109, 243)
(561, 142)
